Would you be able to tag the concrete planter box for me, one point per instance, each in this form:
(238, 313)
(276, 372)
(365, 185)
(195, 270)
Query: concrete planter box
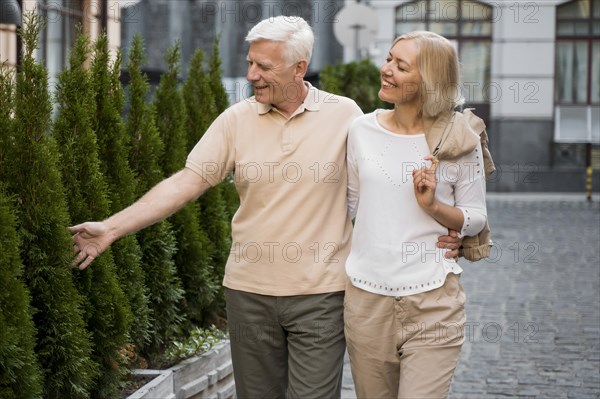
(208, 376)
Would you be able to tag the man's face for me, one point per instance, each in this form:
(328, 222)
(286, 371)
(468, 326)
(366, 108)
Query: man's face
(272, 77)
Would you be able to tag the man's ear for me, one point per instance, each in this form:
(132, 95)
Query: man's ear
(301, 68)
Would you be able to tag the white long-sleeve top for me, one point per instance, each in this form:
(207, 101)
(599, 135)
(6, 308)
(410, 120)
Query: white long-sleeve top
(394, 249)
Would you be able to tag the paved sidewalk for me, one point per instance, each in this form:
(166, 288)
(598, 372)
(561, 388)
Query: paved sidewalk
(533, 309)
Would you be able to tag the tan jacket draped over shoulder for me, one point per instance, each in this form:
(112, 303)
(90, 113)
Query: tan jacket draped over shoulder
(451, 135)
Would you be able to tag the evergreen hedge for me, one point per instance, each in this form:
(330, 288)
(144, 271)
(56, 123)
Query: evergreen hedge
(64, 332)
(6, 111)
(108, 314)
(20, 377)
(201, 111)
(201, 108)
(157, 241)
(113, 151)
(194, 256)
(215, 81)
(228, 190)
(63, 346)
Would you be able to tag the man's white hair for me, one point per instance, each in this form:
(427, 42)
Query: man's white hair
(294, 32)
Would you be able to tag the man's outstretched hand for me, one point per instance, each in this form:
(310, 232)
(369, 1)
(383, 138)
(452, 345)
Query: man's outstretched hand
(90, 240)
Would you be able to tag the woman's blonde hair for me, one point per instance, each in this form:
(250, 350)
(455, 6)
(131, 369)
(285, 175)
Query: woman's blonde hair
(440, 71)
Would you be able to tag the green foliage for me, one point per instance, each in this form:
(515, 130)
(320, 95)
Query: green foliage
(114, 145)
(194, 255)
(113, 150)
(199, 100)
(106, 165)
(227, 187)
(20, 377)
(230, 197)
(108, 314)
(6, 110)
(359, 80)
(216, 80)
(171, 118)
(157, 241)
(214, 221)
(32, 176)
(214, 218)
(200, 341)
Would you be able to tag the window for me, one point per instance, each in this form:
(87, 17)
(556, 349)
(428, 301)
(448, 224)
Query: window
(577, 80)
(8, 45)
(578, 53)
(61, 19)
(466, 23)
(10, 17)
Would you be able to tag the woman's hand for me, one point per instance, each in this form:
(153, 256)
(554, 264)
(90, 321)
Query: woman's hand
(424, 180)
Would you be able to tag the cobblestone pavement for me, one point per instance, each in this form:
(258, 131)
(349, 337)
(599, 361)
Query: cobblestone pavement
(533, 309)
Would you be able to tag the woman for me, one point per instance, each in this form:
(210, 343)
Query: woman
(404, 306)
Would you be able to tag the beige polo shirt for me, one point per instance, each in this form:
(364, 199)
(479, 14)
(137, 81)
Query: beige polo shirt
(291, 234)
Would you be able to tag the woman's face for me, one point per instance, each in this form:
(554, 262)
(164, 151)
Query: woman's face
(400, 77)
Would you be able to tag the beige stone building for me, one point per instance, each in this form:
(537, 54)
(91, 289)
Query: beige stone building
(62, 17)
(531, 68)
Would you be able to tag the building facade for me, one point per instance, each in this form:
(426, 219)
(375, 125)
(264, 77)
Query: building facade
(198, 22)
(530, 68)
(62, 19)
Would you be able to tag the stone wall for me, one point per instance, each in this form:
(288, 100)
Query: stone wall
(208, 376)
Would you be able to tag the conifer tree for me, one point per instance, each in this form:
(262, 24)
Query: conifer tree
(6, 110)
(194, 255)
(359, 80)
(170, 119)
(109, 315)
(201, 111)
(157, 241)
(216, 80)
(229, 192)
(31, 173)
(113, 149)
(20, 377)
(199, 97)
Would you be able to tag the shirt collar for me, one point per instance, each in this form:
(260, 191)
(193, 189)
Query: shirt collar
(311, 102)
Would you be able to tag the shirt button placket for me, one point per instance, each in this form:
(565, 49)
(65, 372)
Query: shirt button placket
(286, 138)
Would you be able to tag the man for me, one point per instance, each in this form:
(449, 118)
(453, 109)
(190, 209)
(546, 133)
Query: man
(285, 274)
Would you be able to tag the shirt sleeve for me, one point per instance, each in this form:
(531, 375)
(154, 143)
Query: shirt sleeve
(352, 195)
(470, 193)
(213, 157)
